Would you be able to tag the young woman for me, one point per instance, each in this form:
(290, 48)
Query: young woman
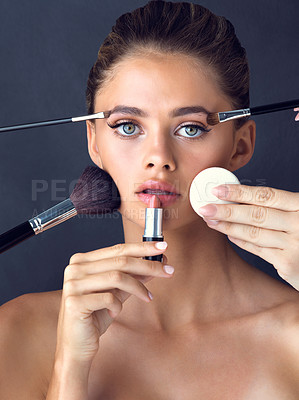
(216, 328)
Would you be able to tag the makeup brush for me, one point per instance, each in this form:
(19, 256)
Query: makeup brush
(99, 115)
(94, 193)
(216, 118)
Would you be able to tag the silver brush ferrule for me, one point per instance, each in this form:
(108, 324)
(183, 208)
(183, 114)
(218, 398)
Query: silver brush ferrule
(54, 216)
(153, 222)
(226, 116)
(90, 116)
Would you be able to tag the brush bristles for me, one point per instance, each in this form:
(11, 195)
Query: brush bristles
(95, 192)
(213, 119)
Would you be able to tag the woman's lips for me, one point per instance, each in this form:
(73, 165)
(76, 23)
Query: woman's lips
(166, 199)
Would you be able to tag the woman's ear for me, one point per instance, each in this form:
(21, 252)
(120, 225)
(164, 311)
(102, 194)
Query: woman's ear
(92, 145)
(243, 145)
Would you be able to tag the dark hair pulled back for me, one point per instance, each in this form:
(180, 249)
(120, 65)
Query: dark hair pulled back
(176, 28)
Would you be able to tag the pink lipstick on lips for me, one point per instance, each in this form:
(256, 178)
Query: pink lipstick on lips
(153, 225)
(166, 192)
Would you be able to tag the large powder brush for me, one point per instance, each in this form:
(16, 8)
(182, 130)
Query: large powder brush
(94, 193)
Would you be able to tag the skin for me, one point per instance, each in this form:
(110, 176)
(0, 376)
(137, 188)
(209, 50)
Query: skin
(200, 292)
(233, 328)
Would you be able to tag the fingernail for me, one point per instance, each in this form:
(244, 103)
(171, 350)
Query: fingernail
(161, 245)
(208, 211)
(220, 191)
(297, 117)
(150, 295)
(212, 221)
(168, 269)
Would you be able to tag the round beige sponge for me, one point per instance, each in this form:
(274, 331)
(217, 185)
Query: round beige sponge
(201, 186)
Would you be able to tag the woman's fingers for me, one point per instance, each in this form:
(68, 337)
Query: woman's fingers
(267, 225)
(106, 281)
(126, 264)
(121, 249)
(95, 286)
(93, 302)
(109, 274)
(259, 216)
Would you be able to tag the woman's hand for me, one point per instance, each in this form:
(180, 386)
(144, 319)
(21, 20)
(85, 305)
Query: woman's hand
(96, 284)
(266, 224)
(297, 116)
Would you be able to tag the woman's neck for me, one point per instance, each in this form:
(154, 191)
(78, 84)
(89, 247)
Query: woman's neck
(205, 284)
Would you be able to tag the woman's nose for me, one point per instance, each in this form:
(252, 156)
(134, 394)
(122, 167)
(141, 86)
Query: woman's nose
(158, 152)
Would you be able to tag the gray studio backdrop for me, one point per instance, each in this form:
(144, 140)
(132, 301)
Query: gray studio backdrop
(47, 49)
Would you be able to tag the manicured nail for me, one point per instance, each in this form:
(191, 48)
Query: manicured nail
(212, 221)
(168, 269)
(161, 245)
(208, 211)
(150, 295)
(220, 191)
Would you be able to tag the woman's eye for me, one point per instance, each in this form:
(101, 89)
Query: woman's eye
(129, 128)
(193, 130)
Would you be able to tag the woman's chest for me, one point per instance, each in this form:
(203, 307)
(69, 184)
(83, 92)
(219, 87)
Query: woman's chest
(191, 367)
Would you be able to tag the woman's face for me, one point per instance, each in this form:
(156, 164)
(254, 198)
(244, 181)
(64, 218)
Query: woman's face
(157, 144)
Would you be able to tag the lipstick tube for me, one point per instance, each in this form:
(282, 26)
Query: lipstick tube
(153, 226)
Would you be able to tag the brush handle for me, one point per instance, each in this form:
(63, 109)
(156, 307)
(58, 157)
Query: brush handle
(15, 236)
(46, 220)
(35, 124)
(102, 114)
(286, 105)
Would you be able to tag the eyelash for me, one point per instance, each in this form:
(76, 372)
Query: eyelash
(125, 137)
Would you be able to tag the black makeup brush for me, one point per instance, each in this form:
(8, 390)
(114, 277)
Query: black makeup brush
(216, 118)
(94, 193)
(99, 115)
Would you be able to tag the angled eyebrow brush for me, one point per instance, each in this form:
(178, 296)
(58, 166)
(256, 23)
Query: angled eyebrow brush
(99, 115)
(94, 193)
(216, 118)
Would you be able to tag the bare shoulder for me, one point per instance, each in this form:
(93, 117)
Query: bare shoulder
(288, 316)
(28, 326)
(275, 323)
(32, 311)
(284, 309)
(285, 319)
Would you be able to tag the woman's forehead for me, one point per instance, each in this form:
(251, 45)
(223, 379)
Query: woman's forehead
(170, 83)
(175, 70)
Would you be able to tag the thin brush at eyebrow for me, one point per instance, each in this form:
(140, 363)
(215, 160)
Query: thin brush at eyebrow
(177, 112)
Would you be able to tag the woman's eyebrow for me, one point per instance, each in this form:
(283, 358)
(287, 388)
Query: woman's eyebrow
(177, 112)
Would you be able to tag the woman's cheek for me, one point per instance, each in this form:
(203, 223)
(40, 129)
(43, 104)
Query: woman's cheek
(206, 157)
(220, 150)
(121, 165)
